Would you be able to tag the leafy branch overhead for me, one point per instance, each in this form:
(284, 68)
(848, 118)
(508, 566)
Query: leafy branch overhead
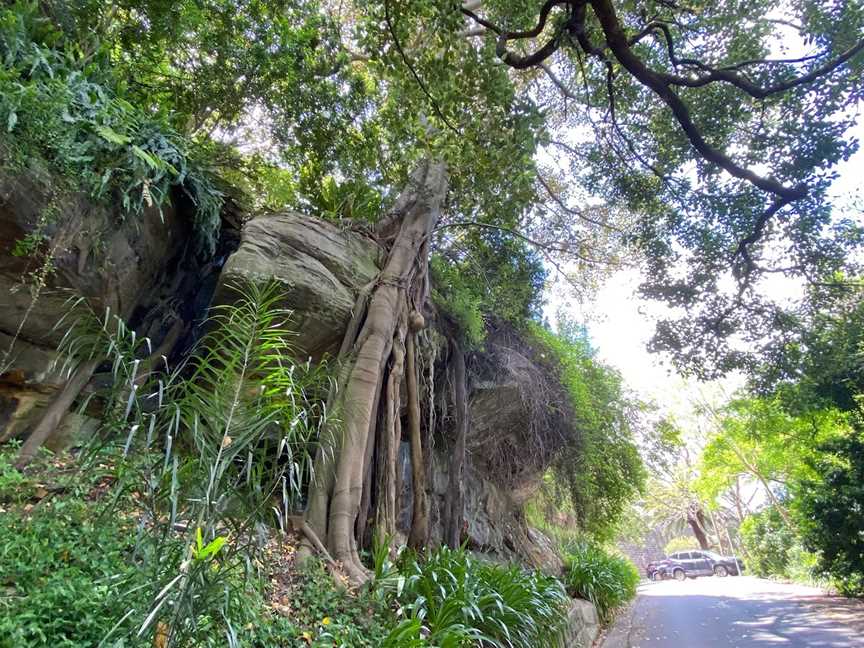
(718, 125)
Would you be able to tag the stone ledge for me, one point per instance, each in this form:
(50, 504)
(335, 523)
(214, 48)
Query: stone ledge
(582, 625)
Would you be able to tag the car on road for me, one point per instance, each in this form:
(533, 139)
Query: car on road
(690, 564)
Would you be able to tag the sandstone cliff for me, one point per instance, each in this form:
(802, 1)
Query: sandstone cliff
(146, 271)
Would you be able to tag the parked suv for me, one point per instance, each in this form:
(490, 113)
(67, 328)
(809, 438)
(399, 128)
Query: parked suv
(684, 564)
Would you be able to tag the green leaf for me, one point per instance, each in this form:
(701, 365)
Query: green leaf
(213, 547)
(149, 159)
(11, 121)
(112, 136)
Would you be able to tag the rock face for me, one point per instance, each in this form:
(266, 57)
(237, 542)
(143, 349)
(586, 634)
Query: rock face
(145, 270)
(499, 478)
(112, 260)
(321, 267)
(582, 625)
(494, 524)
(142, 268)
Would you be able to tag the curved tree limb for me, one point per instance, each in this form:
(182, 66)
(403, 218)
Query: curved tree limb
(618, 43)
(729, 75)
(529, 60)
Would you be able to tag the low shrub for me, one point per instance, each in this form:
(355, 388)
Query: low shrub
(767, 542)
(449, 598)
(66, 571)
(774, 550)
(60, 575)
(595, 574)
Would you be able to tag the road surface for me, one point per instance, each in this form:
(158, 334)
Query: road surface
(737, 612)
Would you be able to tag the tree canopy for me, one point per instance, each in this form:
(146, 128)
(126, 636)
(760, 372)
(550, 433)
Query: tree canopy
(698, 139)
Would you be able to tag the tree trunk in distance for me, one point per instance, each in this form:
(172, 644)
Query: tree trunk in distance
(696, 520)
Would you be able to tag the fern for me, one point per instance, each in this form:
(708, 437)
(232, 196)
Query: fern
(212, 446)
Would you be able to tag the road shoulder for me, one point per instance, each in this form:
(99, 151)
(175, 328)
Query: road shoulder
(620, 633)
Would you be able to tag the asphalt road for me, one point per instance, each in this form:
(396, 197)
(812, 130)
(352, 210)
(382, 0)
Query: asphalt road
(737, 612)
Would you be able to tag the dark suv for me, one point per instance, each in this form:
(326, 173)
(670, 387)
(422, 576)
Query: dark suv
(684, 564)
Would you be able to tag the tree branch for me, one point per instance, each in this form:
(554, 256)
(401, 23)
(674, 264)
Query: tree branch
(573, 212)
(546, 248)
(619, 44)
(414, 73)
(728, 73)
(529, 60)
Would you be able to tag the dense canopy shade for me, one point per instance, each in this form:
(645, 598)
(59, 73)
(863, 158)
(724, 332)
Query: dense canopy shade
(717, 125)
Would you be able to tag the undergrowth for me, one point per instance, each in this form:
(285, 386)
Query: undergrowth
(606, 579)
(65, 106)
(449, 598)
(72, 575)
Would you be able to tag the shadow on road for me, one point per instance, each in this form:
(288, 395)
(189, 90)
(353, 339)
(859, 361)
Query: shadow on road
(738, 613)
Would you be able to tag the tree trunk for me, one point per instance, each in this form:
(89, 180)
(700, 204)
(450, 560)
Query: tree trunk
(420, 509)
(56, 410)
(389, 437)
(454, 504)
(696, 520)
(717, 532)
(334, 502)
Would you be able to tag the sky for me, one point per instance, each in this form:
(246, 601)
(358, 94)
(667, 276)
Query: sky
(620, 324)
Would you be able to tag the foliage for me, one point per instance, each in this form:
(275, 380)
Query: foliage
(281, 60)
(798, 440)
(350, 93)
(214, 440)
(57, 103)
(73, 573)
(758, 438)
(601, 469)
(642, 117)
(606, 579)
(14, 486)
(819, 364)
(803, 567)
(351, 200)
(680, 543)
(773, 549)
(767, 542)
(448, 598)
(65, 565)
(499, 278)
(828, 508)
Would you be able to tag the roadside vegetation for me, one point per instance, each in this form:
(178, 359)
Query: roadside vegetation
(773, 473)
(796, 438)
(188, 517)
(599, 575)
